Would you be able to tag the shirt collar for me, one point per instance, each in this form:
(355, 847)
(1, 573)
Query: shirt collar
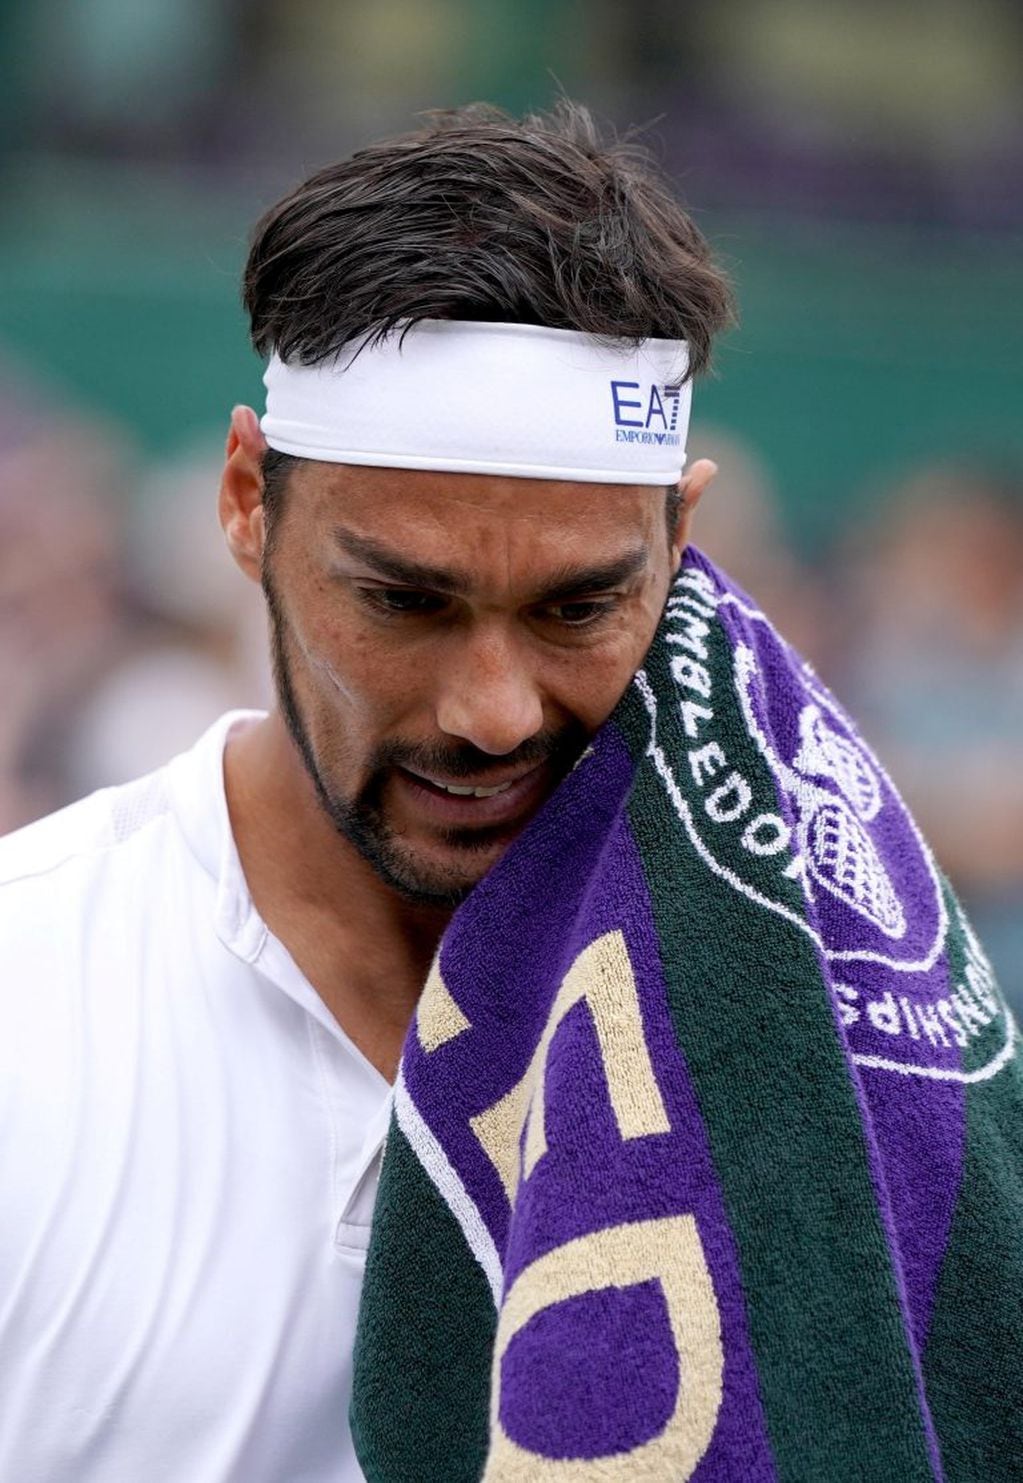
(199, 800)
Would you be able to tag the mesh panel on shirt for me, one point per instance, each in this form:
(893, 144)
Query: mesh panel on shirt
(135, 804)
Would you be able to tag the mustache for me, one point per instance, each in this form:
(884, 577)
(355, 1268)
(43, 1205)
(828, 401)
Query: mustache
(464, 761)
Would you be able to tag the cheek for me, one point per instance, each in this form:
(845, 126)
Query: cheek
(372, 683)
(611, 676)
(589, 685)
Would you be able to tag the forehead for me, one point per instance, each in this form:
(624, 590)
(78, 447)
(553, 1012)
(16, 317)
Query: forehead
(475, 516)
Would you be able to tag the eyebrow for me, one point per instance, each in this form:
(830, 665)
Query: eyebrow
(565, 583)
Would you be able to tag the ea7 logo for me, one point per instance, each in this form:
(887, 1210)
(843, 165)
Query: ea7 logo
(655, 410)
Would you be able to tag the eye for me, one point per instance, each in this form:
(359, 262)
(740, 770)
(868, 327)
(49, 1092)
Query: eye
(581, 614)
(401, 600)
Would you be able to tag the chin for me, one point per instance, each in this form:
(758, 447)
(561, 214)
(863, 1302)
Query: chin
(445, 877)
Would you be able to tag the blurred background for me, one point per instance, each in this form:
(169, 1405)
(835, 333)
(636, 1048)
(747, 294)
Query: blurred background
(858, 165)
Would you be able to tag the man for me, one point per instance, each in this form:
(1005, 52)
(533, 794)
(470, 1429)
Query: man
(466, 510)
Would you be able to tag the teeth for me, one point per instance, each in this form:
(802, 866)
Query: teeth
(473, 792)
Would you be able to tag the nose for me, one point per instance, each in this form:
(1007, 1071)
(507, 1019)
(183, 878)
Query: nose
(489, 697)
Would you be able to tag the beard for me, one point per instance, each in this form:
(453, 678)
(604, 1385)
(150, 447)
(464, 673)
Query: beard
(360, 818)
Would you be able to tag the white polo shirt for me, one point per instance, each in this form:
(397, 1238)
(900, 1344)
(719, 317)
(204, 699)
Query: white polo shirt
(188, 1156)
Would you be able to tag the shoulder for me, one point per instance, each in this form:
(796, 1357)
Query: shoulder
(180, 806)
(103, 879)
(79, 895)
(83, 834)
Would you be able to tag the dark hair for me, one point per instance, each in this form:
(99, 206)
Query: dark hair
(478, 215)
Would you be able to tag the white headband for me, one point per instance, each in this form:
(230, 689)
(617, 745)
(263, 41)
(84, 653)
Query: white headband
(472, 397)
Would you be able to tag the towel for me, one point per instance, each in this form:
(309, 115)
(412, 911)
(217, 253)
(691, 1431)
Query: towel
(707, 1150)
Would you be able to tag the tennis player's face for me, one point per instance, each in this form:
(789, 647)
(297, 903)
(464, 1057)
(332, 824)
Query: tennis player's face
(445, 645)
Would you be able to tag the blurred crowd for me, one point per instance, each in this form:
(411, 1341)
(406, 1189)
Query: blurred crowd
(125, 628)
(898, 110)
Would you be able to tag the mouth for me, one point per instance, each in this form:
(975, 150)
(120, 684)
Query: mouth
(463, 802)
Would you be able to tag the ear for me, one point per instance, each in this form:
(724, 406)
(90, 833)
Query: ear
(240, 505)
(691, 487)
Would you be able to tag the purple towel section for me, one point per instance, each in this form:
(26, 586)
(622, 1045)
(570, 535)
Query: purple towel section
(882, 919)
(612, 1182)
(590, 1179)
(506, 994)
(601, 1408)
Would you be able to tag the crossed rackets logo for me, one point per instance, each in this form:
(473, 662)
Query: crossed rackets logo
(835, 791)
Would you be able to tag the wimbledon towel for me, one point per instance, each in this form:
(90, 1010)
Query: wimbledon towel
(707, 1154)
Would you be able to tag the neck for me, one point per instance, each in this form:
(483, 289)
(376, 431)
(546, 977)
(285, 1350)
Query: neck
(365, 950)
